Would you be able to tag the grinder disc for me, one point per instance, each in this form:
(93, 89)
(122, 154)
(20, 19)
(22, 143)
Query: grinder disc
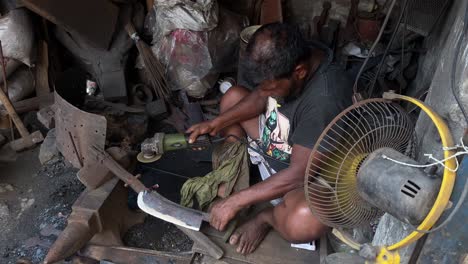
(144, 159)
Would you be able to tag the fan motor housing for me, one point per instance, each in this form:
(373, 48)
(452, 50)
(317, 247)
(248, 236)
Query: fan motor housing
(405, 192)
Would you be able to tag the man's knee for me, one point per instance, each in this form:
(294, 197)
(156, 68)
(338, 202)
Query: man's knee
(300, 225)
(233, 96)
(303, 227)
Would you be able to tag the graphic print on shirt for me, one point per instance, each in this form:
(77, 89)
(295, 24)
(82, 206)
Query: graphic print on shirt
(275, 133)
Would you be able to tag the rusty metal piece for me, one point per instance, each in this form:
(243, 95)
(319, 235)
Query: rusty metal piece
(368, 27)
(94, 219)
(87, 130)
(93, 175)
(271, 12)
(203, 240)
(75, 149)
(322, 19)
(135, 256)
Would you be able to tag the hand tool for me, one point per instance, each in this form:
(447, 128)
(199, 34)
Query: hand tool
(153, 148)
(149, 200)
(27, 140)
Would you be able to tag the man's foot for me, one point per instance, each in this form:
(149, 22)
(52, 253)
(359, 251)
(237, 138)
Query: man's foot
(249, 235)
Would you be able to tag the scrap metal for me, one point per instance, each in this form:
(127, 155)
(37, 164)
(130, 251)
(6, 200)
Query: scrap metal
(86, 129)
(93, 219)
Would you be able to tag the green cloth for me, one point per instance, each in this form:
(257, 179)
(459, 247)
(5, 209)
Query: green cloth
(230, 161)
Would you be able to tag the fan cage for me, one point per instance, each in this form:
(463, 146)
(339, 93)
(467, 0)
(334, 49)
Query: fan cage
(330, 182)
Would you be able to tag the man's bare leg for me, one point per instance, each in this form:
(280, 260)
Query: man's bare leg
(292, 219)
(249, 127)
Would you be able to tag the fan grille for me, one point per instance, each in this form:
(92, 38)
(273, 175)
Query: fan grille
(330, 182)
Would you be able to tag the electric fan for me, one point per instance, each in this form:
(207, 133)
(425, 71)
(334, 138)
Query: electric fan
(357, 172)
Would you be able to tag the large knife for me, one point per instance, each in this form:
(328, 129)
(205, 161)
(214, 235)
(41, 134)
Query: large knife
(149, 200)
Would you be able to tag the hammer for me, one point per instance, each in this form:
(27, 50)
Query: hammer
(27, 140)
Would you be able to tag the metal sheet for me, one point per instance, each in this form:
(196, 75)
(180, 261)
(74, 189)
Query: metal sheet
(86, 129)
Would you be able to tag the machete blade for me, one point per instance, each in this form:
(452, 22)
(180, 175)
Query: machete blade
(156, 205)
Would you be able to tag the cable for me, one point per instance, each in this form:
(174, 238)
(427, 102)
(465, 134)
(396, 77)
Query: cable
(392, 38)
(166, 172)
(374, 45)
(256, 150)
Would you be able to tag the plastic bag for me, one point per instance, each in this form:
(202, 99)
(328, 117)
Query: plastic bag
(199, 15)
(20, 84)
(17, 36)
(194, 59)
(186, 55)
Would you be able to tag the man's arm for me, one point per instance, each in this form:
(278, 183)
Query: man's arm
(274, 187)
(249, 107)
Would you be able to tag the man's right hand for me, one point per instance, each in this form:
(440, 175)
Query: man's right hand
(208, 127)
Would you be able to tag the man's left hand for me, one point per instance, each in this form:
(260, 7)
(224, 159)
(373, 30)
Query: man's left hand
(223, 212)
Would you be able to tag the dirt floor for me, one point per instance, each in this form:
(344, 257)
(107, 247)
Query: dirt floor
(35, 201)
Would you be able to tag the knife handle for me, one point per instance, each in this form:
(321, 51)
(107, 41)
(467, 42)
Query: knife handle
(206, 216)
(120, 172)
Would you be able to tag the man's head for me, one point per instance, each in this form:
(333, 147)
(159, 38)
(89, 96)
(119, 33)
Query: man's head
(277, 60)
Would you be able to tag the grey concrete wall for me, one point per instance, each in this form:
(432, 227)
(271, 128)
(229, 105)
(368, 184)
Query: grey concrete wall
(434, 72)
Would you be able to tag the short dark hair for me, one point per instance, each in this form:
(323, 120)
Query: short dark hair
(275, 58)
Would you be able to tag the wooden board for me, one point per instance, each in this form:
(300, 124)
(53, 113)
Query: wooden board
(42, 69)
(94, 20)
(273, 250)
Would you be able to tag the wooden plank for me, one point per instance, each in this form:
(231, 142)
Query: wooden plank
(273, 250)
(42, 69)
(94, 20)
(29, 104)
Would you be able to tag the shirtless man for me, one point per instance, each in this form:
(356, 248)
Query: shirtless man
(291, 92)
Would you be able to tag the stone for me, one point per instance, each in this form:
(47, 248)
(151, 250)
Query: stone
(49, 150)
(49, 230)
(4, 211)
(5, 187)
(47, 116)
(390, 231)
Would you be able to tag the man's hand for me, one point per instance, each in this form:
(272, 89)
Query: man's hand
(223, 212)
(207, 127)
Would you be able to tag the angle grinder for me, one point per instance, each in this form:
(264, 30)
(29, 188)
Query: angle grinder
(153, 148)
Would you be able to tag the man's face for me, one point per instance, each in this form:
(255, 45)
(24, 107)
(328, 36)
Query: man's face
(277, 88)
(283, 88)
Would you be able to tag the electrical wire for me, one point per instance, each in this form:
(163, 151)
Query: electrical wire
(254, 149)
(384, 56)
(165, 172)
(374, 45)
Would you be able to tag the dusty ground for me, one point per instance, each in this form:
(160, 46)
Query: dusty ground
(35, 201)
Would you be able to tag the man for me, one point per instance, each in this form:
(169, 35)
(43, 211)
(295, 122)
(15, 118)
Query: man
(298, 92)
